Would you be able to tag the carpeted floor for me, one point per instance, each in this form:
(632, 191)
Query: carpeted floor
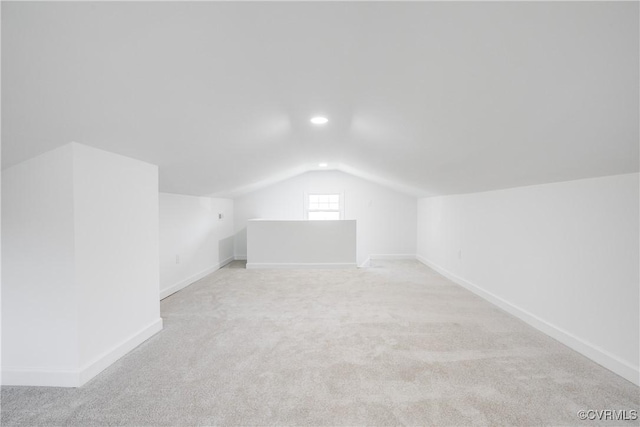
(388, 345)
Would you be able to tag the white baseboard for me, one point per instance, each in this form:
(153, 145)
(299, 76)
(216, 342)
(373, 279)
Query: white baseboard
(392, 256)
(388, 257)
(593, 352)
(40, 377)
(257, 265)
(106, 359)
(240, 257)
(76, 378)
(192, 279)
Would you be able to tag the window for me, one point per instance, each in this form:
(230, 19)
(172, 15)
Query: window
(324, 206)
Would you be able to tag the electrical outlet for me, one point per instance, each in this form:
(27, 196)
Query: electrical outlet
(177, 259)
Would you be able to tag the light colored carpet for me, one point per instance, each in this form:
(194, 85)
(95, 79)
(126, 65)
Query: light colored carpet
(389, 345)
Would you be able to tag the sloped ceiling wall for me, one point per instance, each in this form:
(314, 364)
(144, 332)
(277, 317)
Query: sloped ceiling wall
(435, 98)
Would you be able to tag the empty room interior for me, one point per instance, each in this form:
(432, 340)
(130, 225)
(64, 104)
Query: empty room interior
(320, 213)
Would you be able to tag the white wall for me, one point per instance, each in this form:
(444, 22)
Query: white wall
(301, 244)
(80, 257)
(191, 231)
(116, 247)
(39, 298)
(562, 256)
(0, 263)
(386, 219)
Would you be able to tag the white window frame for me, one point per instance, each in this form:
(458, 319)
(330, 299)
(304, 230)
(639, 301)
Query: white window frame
(324, 193)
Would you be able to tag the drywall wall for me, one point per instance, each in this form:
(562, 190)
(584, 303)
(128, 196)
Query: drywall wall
(386, 219)
(301, 244)
(80, 251)
(562, 256)
(116, 249)
(0, 265)
(194, 241)
(39, 298)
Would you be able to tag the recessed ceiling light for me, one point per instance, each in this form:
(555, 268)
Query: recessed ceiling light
(319, 120)
(322, 165)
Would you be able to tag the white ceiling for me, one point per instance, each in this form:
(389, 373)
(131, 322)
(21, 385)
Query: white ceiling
(431, 98)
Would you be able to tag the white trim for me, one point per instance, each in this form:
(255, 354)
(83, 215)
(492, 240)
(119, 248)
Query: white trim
(340, 209)
(392, 256)
(323, 265)
(192, 279)
(593, 352)
(107, 358)
(240, 257)
(365, 263)
(40, 377)
(76, 378)
(226, 261)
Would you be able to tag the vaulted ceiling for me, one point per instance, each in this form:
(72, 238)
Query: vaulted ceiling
(432, 98)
